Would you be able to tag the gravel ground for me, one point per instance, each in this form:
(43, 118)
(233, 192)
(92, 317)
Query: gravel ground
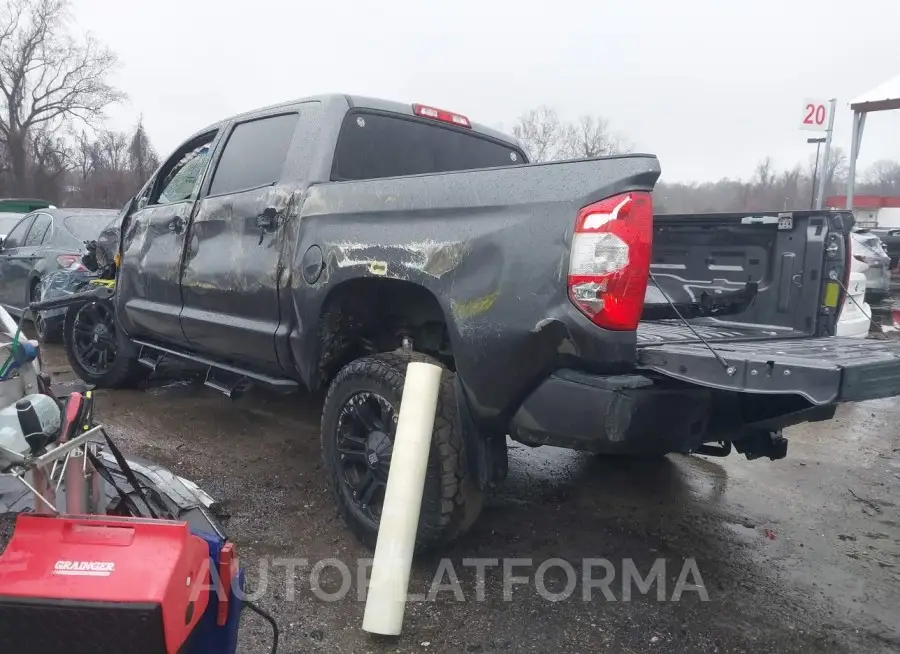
(799, 555)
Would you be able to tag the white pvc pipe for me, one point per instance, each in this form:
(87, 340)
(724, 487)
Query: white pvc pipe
(386, 599)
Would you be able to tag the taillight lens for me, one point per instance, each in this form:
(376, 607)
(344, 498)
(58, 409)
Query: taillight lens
(70, 262)
(610, 261)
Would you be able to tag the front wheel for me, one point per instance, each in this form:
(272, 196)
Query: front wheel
(99, 353)
(358, 427)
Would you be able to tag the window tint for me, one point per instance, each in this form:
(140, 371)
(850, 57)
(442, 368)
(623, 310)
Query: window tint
(375, 145)
(183, 172)
(254, 154)
(17, 236)
(38, 230)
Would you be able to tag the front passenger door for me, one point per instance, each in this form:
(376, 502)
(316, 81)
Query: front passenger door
(148, 287)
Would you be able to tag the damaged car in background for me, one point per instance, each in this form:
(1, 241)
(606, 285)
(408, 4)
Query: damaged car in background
(41, 243)
(327, 242)
(868, 249)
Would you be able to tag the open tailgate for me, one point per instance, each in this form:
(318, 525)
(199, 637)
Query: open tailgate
(823, 370)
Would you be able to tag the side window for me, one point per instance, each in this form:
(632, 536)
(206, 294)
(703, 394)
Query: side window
(183, 171)
(38, 230)
(17, 234)
(254, 154)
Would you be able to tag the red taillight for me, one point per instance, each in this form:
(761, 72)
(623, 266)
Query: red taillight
(610, 261)
(439, 114)
(71, 262)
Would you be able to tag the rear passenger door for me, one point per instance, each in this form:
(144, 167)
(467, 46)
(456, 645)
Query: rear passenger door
(232, 261)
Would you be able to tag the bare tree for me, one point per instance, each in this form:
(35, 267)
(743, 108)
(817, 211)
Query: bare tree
(591, 137)
(47, 78)
(763, 174)
(51, 161)
(142, 156)
(883, 178)
(541, 133)
(114, 150)
(835, 171)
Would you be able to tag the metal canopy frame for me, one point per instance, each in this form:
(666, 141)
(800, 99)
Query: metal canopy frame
(882, 98)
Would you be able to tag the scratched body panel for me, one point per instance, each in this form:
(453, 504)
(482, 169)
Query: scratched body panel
(492, 247)
(149, 279)
(231, 275)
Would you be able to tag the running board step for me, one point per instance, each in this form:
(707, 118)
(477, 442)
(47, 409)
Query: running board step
(275, 383)
(217, 385)
(148, 361)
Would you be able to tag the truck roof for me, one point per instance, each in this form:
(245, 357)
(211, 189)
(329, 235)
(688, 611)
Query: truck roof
(364, 102)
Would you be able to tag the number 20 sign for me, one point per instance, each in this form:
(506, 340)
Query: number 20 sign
(815, 115)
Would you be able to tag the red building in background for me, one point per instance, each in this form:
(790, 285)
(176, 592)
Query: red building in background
(870, 210)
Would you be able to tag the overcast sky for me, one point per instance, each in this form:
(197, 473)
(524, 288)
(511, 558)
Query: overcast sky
(710, 86)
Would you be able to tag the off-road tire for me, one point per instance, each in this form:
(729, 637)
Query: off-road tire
(452, 501)
(125, 371)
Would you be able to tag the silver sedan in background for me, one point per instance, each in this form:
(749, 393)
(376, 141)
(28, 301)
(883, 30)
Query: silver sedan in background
(867, 248)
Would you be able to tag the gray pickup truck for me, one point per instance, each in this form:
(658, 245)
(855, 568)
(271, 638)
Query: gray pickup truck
(325, 243)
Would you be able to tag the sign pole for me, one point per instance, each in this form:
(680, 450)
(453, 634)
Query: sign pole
(820, 200)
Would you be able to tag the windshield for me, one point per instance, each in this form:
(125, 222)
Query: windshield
(373, 145)
(86, 227)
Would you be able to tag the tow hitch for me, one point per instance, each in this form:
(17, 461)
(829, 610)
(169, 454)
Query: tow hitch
(757, 444)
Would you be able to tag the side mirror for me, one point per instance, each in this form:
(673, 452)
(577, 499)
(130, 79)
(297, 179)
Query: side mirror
(1, 242)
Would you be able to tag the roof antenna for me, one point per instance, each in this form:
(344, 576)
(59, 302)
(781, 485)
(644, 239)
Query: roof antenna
(729, 369)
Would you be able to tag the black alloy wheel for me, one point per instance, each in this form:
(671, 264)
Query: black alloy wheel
(366, 426)
(359, 423)
(94, 338)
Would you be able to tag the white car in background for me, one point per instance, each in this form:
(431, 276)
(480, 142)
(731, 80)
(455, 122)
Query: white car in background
(856, 314)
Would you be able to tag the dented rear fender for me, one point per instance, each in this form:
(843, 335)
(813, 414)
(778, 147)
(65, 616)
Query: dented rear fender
(491, 247)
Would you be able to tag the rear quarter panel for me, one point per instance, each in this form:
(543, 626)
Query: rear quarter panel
(491, 245)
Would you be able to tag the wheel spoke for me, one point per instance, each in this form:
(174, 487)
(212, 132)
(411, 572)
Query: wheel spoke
(386, 416)
(367, 487)
(352, 448)
(352, 455)
(363, 412)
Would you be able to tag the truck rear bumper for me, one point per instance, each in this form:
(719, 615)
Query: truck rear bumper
(626, 414)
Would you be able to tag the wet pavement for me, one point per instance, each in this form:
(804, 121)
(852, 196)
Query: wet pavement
(800, 555)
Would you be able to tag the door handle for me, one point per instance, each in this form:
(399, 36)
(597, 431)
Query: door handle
(176, 225)
(267, 221)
